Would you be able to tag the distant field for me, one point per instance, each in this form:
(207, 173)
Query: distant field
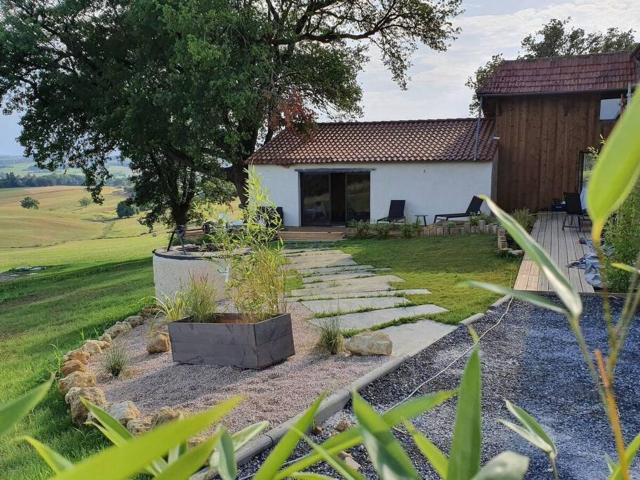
(24, 166)
(60, 218)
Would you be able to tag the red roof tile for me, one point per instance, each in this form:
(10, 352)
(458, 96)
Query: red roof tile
(576, 74)
(450, 140)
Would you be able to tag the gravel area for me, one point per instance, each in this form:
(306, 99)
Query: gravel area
(274, 394)
(532, 359)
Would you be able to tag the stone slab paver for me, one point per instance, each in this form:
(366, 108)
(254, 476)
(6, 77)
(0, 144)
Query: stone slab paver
(364, 320)
(333, 270)
(410, 338)
(314, 279)
(378, 282)
(347, 305)
(379, 293)
(321, 262)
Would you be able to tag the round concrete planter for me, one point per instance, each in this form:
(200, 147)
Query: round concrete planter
(173, 270)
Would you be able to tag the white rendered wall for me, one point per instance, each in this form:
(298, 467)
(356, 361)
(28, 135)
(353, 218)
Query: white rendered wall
(428, 188)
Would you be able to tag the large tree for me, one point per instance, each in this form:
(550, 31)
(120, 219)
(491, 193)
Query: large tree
(185, 87)
(556, 38)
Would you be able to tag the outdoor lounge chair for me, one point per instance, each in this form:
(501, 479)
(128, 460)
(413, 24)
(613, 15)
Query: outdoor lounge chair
(573, 207)
(472, 209)
(396, 212)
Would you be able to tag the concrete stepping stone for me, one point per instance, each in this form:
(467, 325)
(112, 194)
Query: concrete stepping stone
(321, 262)
(313, 279)
(364, 320)
(311, 252)
(333, 270)
(378, 282)
(411, 338)
(370, 294)
(346, 305)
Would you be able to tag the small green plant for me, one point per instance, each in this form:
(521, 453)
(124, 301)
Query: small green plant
(331, 338)
(200, 299)
(172, 308)
(410, 230)
(84, 202)
(451, 224)
(525, 218)
(474, 220)
(30, 203)
(116, 360)
(362, 229)
(382, 230)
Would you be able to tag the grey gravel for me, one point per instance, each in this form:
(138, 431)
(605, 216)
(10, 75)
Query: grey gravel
(532, 359)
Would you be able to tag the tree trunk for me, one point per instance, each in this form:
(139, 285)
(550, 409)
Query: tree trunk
(239, 179)
(180, 214)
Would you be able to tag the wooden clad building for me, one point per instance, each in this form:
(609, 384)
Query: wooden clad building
(547, 114)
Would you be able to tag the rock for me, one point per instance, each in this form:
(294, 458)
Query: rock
(164, 415)
(138, 426)
(118, 329)
(105, 337)
(124, 411)
(135, 320)
(316, 429)
(343, 425)
(79, 412)
(76, 379)
(80, 355)
(349, 460)
(369, 343)
(92, 347)
(159, 343)
(148, 312)
(71, 366)
(516, 253)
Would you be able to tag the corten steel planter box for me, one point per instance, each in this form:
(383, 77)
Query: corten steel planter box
(231, 342)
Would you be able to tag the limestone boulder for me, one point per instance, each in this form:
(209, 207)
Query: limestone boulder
(105, 337)
(79, 411)
(76, 379)
(138, 426)
(158, 343)
(71, 366)
(124, 411)
(78, 354)
(117, 329)
(369, 343)
(164, 415)
(135, 320)
(93, 347)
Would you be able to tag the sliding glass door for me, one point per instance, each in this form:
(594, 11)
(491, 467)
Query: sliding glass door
(334, 198)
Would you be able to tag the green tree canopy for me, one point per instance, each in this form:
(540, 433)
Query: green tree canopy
(187, 88)
(556, 38)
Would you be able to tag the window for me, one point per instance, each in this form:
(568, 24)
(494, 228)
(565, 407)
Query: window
(610, 108)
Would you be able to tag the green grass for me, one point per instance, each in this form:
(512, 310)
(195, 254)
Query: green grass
(440, 264)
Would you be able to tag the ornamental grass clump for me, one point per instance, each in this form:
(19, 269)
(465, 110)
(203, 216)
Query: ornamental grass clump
(172, 308)
(116, 360)
(200, 300)
(331, 339)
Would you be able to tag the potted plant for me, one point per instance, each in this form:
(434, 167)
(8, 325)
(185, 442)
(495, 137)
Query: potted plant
(259, 333)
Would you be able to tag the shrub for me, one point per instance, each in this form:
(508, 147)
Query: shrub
(30, 202)
(382, 230)
(410, 230)
(362, 229)
(525, 218)
(126, 209)
(200, 299)
(84, 202)
(623, 237)
(331, 339)
(116, 360)
(474, 220)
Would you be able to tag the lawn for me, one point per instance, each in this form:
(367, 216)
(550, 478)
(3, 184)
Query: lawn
(440, 264)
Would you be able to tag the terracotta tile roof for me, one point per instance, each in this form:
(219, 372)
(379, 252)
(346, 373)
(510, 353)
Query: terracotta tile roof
(449, 140)
(577, 74)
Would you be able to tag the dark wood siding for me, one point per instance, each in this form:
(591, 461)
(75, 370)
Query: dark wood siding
(541, 140)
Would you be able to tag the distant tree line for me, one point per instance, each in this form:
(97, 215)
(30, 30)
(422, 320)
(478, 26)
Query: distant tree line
(11, 180)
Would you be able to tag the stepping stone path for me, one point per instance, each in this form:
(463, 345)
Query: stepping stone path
(360, 297)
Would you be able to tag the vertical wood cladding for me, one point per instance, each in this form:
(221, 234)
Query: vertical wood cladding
(541, 140)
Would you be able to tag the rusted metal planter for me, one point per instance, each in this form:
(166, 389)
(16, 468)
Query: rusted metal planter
(230, 341)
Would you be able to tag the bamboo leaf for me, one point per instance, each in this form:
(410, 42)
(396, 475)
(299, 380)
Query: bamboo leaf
(529, 436)
(433, 454)
(124, 461)
(532, 425)
(287, 444)
(386, 454)
(227, 467)
(15, 410)
(310, 476)
(626, 268)
(352, 437)
(190, 462)
(346, 472)
(240, 439)
(464, 459)
(56, 462)
(505, 466)
(537, 254)
(617, 169)
(630, 454)
(519, 294)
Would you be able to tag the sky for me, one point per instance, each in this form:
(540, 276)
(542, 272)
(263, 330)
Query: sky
(437, 86)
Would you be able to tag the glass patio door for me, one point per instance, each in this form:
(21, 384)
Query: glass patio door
(315, 189)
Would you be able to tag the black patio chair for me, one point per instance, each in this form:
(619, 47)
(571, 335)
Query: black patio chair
(574, 211)
(396, 213)
(472, 209)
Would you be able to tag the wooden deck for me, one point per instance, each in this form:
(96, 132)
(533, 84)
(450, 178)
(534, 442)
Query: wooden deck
(564, 247)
